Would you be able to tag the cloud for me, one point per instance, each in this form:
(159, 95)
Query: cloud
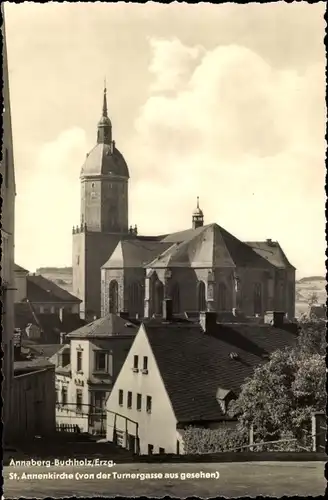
(246, 137)
(50, 203)
(171, 62)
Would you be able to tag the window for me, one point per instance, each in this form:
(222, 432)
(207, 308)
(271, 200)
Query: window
(79, 399)
(162, 450)
(57, 395)
(135, 298)
(150, 449)
(64, 395)
(201, 296)
(222, 297)
(99, 401)
(101, 361)
(145, 363)
(65, 358)
(148, 405)
(129, 399)
(79, 361)
(93, 185)
(113, 297)
(159, 297)
(120, 397)
(257, 298)
(135, 362)
(139, 402)
(77, 260)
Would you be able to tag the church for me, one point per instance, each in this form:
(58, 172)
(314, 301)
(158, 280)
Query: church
(204, 267)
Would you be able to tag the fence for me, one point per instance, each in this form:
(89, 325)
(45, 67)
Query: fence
(85, 417)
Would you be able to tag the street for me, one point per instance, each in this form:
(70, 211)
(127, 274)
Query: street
(235, 479)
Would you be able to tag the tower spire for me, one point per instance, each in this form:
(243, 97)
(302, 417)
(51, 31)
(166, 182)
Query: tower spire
(197, 216)
(104, 125)
(104, 110)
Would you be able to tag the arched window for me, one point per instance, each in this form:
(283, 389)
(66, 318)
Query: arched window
(257, 298)
(159, 297)
(222, 297)
(176, 298)
(201, 296)
(113, 297)
(135, 298)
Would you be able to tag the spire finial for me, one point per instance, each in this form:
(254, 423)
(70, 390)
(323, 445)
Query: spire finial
(197, 201)
(104, 113)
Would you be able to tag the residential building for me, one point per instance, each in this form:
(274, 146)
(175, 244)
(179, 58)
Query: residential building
(44, 295)
(8, 193)
(179, 373)
(115, 269)
(87, 368)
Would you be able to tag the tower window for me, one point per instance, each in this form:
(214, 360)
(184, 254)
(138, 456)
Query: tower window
(93, 185)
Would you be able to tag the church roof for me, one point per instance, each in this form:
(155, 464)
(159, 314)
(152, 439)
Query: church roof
(105, 159)
(135, 253)
(272, 252)
(193, 349)
(207, 246)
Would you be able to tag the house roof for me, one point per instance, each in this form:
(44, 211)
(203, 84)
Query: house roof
(272, 252)
(40, 289)
(135, 253)
(108, 326)
(50, 324)
(40, 350)
(194, 365)
(31, 365)
(20, 269)
(208, 246)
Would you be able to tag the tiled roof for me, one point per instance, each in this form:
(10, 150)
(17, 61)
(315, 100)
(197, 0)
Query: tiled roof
(40, 350)
(103, 161)
(31, 365)
(135, 253)
(272, 252)
(18, 268)
(108, 326)
(40, 289)
(208, 246)
(194, 365)
(50, 324)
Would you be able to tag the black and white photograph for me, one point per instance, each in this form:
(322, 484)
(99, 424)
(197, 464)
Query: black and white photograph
(163, 264)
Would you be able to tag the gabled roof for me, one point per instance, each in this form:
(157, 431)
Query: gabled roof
(40, 289)
(208, 246)
(20, 269)
(194, 365)
(134, 253)
(109, 326)
(272, 252)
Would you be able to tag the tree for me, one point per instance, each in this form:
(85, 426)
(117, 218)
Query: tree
(282, 394)
(313, 299)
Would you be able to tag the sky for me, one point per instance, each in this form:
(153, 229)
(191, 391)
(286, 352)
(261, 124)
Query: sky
(225, 102)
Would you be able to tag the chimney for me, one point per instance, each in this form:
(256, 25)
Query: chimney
(278, 319)
(124, 314)
(167, 309)
(207, 321)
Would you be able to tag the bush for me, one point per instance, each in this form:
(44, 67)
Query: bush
(198, 440)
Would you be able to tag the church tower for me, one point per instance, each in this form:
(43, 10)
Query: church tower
(197, 217)
(104, 214)
(104, 183)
